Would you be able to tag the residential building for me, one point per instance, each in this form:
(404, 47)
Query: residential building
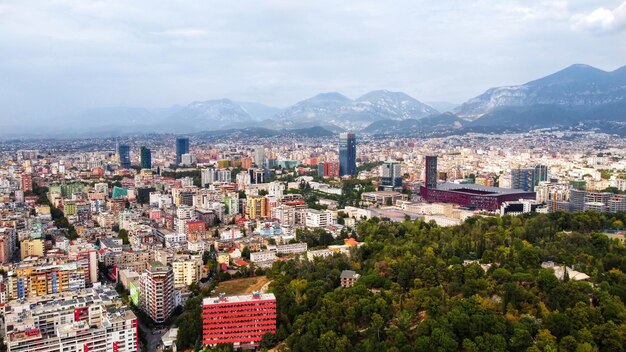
(348, 278)
(186, 271)
(32, 280)
(81, 321)
(157, 292)
(238, 320)
(523, 179)
(31, 247)
(256, 207)
(317, 218)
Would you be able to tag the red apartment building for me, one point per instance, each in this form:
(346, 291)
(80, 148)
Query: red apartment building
(238, 320)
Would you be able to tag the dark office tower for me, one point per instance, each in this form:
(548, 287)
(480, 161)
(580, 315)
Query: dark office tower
(182, 147)
(391, 177)
(430, 173)
(123, 152)
(541, 173)
(523, 179)
(347, 154)
(146, 158)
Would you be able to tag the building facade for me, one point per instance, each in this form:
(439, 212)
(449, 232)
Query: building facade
(182, 147)
(84, 321)
(391, 176)
(430, 172)
(146, 158)
(238, 320)
(347, 154)
(123, 153)
(157, 292)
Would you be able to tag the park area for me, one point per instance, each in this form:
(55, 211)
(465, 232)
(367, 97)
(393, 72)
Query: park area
(243, 286)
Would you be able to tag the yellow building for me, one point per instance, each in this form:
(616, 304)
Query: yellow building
(186, 272)
(222, 164)
(43, 210)
(33, 247)
(256, 207)
(69, 207)
(32, 281)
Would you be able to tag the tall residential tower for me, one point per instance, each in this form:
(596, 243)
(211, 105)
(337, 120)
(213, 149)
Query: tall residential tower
(347, 154)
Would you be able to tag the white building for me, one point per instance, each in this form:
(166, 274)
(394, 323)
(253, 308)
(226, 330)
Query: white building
(262, 256)
(70, 321)
(317, 218)
(291, 248)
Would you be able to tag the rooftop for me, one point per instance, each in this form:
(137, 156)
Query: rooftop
(237, 299)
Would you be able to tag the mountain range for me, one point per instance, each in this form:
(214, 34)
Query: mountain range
(578, 96)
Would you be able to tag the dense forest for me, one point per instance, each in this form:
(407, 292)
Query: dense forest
(417, 294)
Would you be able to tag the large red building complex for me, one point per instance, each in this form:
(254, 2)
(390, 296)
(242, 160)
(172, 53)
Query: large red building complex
(240, 320)
(473, 196)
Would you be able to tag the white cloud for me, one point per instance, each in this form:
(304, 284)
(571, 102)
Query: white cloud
(184, 32)
(601, 20)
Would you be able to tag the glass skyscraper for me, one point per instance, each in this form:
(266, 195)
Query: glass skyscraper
(182, 147)
(123, 152)
(430, 174)
(541, 173)
(347, 154)
(146, 158)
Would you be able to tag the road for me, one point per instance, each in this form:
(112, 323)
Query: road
(152, 340)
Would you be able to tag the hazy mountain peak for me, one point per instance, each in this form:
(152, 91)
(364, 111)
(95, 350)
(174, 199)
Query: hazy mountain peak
(330, 96)
(580, 87)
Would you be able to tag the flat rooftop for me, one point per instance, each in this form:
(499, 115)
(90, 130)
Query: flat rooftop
(237, 299)
(477, 189)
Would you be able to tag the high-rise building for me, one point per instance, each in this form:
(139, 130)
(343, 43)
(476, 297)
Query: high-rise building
(541, 174)
(259, 156)
(146, 158)
(257, 176)
(157, 292)
(207, 176)
(391, 176)
(430, 172)
(347, 154)
(523, 178)
(224, 176)
(71, 321)
(238, 320)
(182, 147)
(256, 207)
(27, 183)
(187, 159)
(123, 152)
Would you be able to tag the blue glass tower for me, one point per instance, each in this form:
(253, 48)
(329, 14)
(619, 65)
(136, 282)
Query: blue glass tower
(182, 147)
(347, 154)
(123, 152)
(146, 158)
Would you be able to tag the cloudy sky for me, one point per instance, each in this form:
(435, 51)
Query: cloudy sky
(61, 56)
